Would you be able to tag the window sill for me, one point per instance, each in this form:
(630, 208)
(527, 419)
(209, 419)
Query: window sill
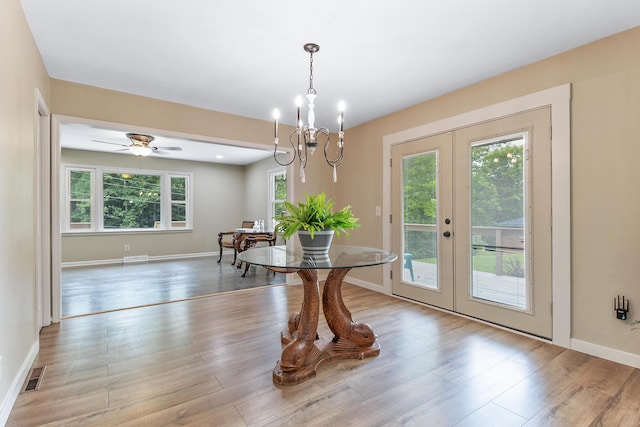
(129, 232)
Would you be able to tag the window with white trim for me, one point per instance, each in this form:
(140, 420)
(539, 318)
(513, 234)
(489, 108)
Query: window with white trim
(106, 199)
(79, 212)
(179, 200)
(277, 193)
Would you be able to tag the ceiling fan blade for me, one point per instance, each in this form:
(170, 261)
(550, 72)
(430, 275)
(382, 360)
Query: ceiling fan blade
(169, 148)
(111, 143)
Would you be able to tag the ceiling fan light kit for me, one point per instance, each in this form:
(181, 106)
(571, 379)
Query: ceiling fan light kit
(140, 145)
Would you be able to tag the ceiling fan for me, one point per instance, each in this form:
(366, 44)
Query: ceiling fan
(140, 145)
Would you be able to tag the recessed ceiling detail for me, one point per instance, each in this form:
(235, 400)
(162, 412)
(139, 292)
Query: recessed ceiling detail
(79, 136)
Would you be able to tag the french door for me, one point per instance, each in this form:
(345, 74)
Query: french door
(471, 217)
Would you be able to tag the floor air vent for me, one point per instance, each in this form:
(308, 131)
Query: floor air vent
(34, 379)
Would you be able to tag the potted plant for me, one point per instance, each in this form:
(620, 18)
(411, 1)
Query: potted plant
(315, 222)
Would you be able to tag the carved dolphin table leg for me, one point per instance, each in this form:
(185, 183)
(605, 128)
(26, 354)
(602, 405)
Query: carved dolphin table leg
(351, 340)
(300, 356)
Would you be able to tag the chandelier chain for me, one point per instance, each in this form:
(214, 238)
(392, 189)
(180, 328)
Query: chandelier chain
(311, 89)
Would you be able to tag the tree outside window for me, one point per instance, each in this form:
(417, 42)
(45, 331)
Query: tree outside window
(101, 200)
(178, 202)
(131, 201)
(80, 195)
(277, 193)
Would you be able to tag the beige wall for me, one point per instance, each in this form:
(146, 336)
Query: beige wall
(605, 147)
(218, 197)
(21, 72)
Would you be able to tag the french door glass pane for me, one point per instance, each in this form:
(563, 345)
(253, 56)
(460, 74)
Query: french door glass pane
(498, 222)
(420, 207)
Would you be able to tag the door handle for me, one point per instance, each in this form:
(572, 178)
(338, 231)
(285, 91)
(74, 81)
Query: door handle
(447, 234)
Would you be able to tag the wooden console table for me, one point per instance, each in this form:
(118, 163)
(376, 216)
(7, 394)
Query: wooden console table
(241, 234)
(303, 350)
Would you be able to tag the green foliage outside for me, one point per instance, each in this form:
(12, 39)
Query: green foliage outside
(315, 214)
(420, 203)
(280, 193)
(280, 186)
(131, 202)
(178, 199)
(80, 193)
(497, 178)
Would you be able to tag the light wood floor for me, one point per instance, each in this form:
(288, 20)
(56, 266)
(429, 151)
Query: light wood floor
(97, 289)
(209, 361)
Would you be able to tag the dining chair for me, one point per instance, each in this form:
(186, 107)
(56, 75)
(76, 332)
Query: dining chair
(226, 239)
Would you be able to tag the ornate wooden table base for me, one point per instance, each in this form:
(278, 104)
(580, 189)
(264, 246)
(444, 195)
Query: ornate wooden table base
(304, 351)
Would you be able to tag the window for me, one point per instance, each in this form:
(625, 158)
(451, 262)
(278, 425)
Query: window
(117, 200)
(130, 201)
(277, 193)
(178, 201)
(80, 191)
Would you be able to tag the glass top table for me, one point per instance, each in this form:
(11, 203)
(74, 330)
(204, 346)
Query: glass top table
(278, 257)
(304, 351)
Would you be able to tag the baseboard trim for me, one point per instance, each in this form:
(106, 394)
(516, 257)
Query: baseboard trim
(185, 256)
(10, 398)
(591, 349)
(97, 262)
(608, 353)
(91, 263)
(365, 284)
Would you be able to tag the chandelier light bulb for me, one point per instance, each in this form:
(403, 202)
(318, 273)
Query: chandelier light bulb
(276, 116)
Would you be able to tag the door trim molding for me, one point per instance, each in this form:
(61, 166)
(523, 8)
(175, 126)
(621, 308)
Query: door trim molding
(43, 211)
(559, 99)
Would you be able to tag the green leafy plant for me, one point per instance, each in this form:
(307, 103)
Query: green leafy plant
(315, 214)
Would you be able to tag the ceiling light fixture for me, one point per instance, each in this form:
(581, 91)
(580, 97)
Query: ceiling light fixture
(140, 150)
(140, 144)
(305, 137)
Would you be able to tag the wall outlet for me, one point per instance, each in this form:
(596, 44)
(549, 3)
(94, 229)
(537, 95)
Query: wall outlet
(127, 248)
(378, 211)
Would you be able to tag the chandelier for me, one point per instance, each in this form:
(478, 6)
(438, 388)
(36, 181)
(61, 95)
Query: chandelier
(305, 138)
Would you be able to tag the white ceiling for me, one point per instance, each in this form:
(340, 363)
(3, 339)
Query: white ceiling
(245, 57)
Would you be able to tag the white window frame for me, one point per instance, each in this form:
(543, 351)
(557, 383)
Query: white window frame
(271, 191)
(169, 223)
(97, 199)
(67, 198)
